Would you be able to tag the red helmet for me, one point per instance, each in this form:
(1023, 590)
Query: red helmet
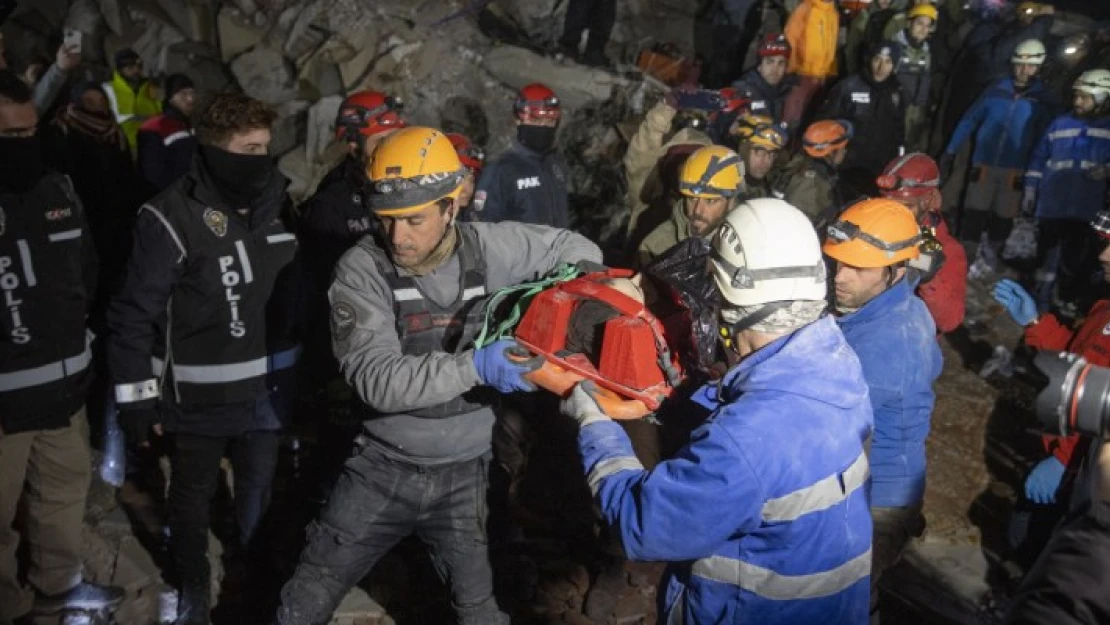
(774, 44)
(470, 155)
(911, 176)
(537, 101)
(367, 113)
(733, 101)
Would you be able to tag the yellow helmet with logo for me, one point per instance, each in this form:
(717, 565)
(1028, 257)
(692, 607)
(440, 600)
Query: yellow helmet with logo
(713, 171)
(412, 168)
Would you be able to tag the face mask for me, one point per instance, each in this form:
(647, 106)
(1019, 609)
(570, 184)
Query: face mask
(20, 163)
(536, 138)
(241, 178)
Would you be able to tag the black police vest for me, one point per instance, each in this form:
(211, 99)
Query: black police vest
(231, 316)
(44, 354)
(425, 327)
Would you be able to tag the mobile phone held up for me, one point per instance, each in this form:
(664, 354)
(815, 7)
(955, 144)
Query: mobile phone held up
(72, 39)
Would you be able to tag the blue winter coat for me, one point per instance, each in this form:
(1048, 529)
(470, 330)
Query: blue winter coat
(1061, 164)
(764, 515)
(1006, 125)
(895, 339)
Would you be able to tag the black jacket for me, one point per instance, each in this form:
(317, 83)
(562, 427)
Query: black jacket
(878, 113)
(523, 185)
(328, 224)
(766, 100)
(214, 297)
(47, 277)
(166, 147)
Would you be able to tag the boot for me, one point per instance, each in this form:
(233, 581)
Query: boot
(192, 605)
(84, 597)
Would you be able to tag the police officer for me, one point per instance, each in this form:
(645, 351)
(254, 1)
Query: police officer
(202, 332)
(403, 315)
(328, 224)
(528, 182)
(47, 279)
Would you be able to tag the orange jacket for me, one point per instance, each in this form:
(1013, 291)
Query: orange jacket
(812, 32)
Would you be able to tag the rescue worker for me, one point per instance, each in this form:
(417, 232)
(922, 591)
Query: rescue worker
(761, 142)
(915, 72)
(473, 158)
(1065, 187)
(812, 32)
(596, 19)
(202, 333)
(873, 102)
(913, 180)
(1006, 121)
(48, 276)
(131, 95)
(1044, 501)
(891, 331)
(736, 499)
(329, 223)
(866, 31)
(810, 180)
(528, 182)
(420, 465)
(166, 142)
(711, 181)
(768, 85)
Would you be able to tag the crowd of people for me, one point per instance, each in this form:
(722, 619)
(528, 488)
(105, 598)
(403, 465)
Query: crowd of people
(151, 243)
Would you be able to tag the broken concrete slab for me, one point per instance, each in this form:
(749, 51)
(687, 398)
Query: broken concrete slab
(320, 132)
(85, 16)
(290, 127)
(576, 85)
(265, 74)
(297, 169)
(357, 608)
(201, 63)
(236, 32)
(113, 16)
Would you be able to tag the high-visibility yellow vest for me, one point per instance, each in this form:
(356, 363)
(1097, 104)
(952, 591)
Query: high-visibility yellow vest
(131, 107)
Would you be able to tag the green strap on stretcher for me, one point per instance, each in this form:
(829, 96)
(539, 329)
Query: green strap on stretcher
(492, 330)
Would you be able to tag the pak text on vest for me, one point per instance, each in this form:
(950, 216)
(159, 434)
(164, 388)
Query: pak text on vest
(528, 183)
(9, 282)
(230, 279)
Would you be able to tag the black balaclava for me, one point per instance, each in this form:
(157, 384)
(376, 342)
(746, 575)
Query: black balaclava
(240, 178)
(536, 138)
(21, 164)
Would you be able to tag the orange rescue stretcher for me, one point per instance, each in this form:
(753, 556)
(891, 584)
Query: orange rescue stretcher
(636, 368)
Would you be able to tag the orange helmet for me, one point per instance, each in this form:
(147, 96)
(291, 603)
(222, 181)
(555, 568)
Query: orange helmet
(874, 233)
(470, 155)
(367, 113)
(827, 136)
(537, 101)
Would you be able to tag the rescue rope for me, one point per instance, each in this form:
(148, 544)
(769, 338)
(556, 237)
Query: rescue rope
(492, 330)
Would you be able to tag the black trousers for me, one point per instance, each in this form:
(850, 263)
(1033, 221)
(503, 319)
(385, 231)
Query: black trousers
(597, 16)
(377, 502)
(893, 530)
(195, 466)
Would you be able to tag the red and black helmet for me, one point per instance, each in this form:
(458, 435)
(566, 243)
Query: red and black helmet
(367, 113)
(774, 44)
(537, 101)
(911, 176)
(732, 101)
(470, 155)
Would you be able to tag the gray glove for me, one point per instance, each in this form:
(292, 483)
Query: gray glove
(1028, 201)
(581, 406)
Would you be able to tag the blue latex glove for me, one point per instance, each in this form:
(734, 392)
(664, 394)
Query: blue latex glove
(1018, 302)
(1043, 480)
(497, 370)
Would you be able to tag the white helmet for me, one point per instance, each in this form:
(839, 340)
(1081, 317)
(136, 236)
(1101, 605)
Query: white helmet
(767, 251)
(1030, 51)
(1095, 82)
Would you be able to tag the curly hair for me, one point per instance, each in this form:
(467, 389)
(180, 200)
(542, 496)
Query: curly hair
(230, 114)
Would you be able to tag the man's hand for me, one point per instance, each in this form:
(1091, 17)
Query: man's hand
(1017, 301)
(501, 366)
(1044, 480)
(137, 424)
(581, 406)
(68, 57)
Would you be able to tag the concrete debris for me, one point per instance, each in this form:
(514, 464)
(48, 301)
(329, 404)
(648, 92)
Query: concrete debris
(265, 74)
(300, 172)
(113, 15)
(201, 63)
(320, 131)
(237, 33)
(358, 608)
(85, 16)
(577, 85)
(290, 128)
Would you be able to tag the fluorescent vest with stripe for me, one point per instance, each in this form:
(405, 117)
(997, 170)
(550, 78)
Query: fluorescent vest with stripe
(131, 107)
(764, 515)
(1062, 164)
(425, 327)
(44, 354)
(230, 320)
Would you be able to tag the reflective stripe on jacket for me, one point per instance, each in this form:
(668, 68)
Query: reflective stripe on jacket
(131, 107)
(1061, 167)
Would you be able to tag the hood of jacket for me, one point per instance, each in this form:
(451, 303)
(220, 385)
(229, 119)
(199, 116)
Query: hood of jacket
(814, 362)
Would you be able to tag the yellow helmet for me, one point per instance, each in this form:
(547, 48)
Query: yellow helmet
(925, 9)
(874, 233)
(412, 168)
(713, 171)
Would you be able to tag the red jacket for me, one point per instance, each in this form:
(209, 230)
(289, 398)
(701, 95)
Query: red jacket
(944, 295)
(1091, 341)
